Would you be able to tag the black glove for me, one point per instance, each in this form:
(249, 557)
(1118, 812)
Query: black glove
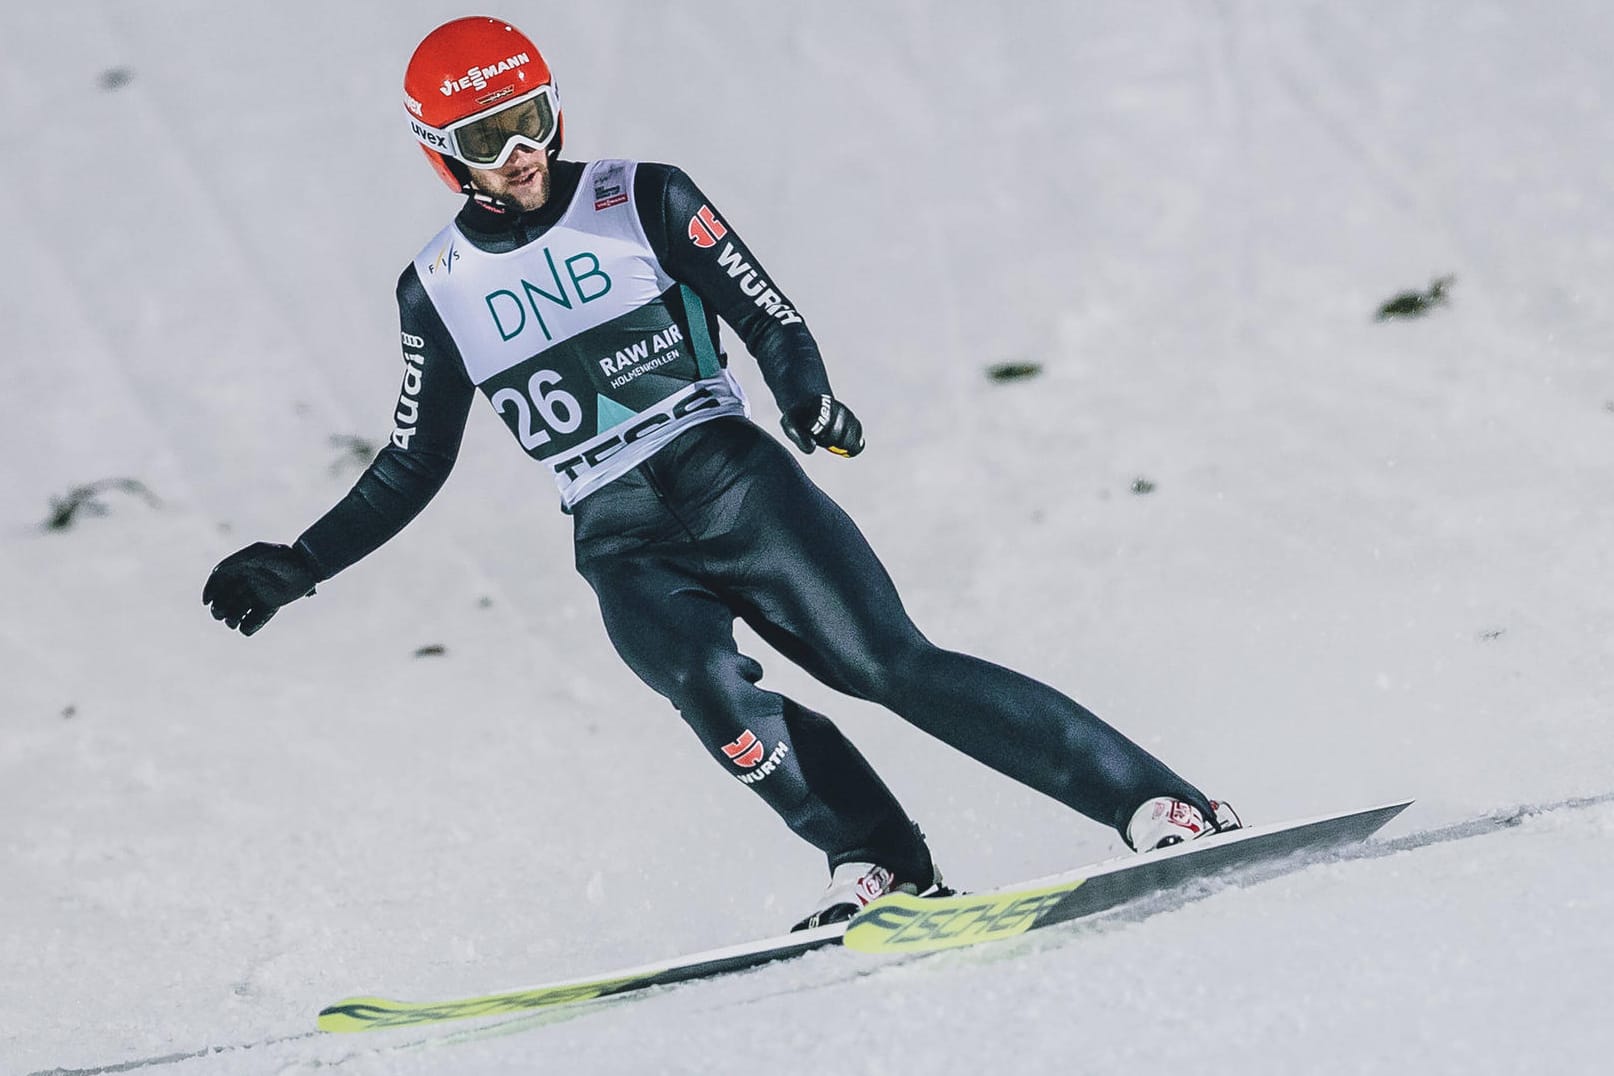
(824, 421)
(249, 587)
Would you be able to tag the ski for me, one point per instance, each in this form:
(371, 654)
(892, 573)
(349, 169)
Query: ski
(904, 924)
(370, 1014)
(901, 923)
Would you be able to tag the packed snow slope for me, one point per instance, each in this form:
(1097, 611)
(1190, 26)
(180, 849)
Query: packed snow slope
(1312, 559)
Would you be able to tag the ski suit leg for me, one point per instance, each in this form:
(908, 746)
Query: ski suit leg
(815, 590)
(678, 637)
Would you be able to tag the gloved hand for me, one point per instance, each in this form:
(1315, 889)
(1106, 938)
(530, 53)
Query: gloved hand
(824, 421)
(249, 587)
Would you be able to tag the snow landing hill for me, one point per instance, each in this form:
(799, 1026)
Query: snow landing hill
(1312, 559)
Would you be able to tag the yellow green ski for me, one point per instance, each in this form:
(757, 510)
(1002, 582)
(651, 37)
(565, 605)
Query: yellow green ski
(900, 923)
(370, 1014)
(905, 924)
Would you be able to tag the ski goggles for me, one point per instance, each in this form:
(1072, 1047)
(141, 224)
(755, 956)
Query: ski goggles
(485, 141)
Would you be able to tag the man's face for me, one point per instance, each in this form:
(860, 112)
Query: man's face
(522, 180)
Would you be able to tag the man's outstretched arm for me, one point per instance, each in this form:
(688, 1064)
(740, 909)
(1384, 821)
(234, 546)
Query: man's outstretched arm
(248, 587)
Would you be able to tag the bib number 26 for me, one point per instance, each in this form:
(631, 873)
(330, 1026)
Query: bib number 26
(542, 409)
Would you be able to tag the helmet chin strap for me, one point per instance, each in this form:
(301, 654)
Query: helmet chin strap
(488, 201)
(493, 202)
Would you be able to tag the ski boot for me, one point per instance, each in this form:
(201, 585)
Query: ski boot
(852, 885)
(1164, 821)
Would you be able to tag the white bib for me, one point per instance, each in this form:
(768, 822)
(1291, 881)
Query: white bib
(592, 354)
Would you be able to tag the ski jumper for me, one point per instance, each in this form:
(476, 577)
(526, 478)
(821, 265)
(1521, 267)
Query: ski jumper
(590, 324)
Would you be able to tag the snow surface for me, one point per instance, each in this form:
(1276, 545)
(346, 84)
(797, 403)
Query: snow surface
(1374, 563)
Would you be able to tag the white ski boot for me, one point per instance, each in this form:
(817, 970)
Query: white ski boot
(852, 885)
(1163, 822)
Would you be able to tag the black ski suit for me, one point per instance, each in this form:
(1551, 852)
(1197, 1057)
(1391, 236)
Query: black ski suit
(718, 523)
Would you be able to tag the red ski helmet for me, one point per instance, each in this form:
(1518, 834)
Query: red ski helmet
(474, 90)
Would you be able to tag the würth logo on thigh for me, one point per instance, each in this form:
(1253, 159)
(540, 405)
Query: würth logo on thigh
(705, 229)
(745, 752)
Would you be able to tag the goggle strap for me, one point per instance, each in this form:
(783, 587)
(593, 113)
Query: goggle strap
(442, 140)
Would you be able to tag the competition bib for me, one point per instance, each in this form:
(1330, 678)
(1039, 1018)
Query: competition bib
(592, 354)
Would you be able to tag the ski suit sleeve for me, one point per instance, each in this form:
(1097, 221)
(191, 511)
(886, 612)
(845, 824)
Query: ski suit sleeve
(701, 249)
(408, 472)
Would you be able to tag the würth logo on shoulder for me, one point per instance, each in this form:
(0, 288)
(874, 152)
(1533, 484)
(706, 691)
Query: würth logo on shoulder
(705, 229)
(745, 752)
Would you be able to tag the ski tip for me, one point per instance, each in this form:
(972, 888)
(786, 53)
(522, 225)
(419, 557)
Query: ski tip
(1376, 818)
(355, 1014)
(1396, 807)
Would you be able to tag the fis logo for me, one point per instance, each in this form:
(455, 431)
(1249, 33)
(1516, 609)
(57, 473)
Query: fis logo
(745, 752)
(445, 260)
(476, 78)
(705, 229)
